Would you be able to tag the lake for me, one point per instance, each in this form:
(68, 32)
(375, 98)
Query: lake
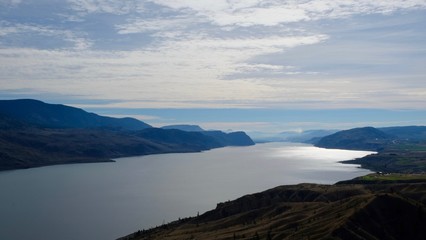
(109, 200)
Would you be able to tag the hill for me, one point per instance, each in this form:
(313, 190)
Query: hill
(367, 138)
(376, 139)
(407, 133)
(60, 116)
(309, 211)
(399, 149)
(398, 157)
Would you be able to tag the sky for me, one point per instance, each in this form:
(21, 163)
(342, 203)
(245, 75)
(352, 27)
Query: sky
(253, 65)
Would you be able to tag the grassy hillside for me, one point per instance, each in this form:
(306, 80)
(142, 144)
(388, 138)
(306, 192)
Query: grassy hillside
(378, 178)
(309, 211)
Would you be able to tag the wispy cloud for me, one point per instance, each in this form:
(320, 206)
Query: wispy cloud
(141, 25)
(106, 6)
(30, 30)
(274, 12)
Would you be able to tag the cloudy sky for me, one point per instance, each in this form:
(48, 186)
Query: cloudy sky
(269, 65)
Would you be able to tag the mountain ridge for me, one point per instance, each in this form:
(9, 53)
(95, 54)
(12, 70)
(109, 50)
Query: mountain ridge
(61, 116)
(185, 127)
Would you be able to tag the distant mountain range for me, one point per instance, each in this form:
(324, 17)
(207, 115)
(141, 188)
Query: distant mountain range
(33, 134)
(307, 136)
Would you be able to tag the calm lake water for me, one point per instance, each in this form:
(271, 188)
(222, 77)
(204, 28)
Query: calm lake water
(109, 200)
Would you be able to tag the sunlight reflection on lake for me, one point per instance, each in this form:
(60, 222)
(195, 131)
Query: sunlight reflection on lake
(109, 200)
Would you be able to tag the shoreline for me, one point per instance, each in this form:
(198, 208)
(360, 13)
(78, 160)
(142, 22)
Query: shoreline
(398, 177)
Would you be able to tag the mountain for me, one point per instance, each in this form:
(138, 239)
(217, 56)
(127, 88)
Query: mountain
(183, 127)
(222, 138)
(309, 211)
(230, 139)
(34, 134)
(60, 116)
(367, 138)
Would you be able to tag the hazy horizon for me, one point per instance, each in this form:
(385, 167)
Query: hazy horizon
(253, 65)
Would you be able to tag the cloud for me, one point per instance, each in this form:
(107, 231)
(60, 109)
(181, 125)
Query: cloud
(30, 30)
(141, 25)
(275, 12)
(186, 70)
(106, 6)
(189, 71)
(262, 67)
(261, 16)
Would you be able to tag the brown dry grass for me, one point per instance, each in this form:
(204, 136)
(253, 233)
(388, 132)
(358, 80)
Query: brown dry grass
(307, 211)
